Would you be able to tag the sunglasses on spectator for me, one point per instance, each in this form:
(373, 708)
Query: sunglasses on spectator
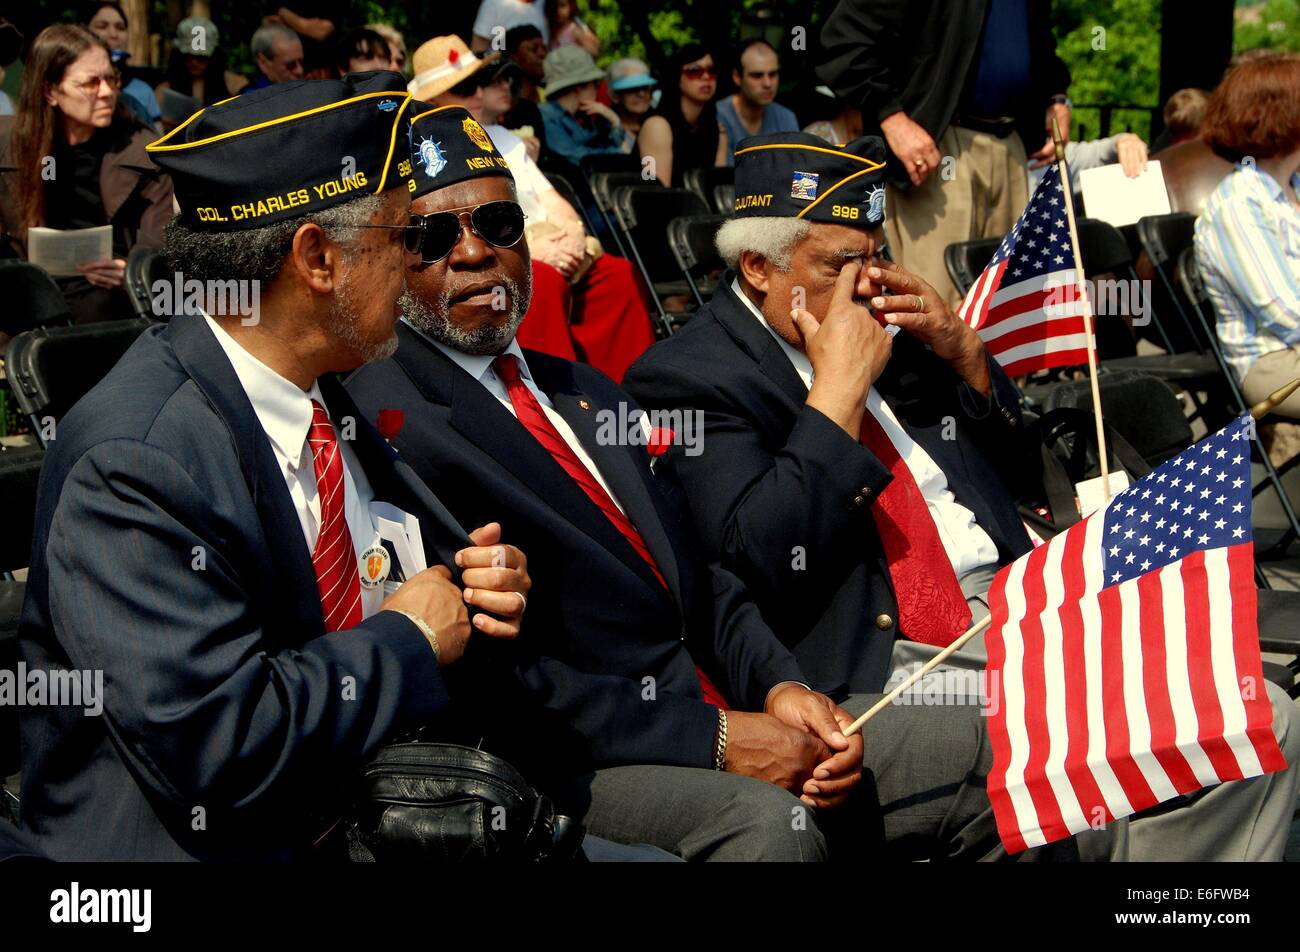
(500, 224)
(699, 72)
(89, 87)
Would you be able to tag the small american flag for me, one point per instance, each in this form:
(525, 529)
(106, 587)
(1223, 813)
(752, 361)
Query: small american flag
(1124, 664)
(1026, 305)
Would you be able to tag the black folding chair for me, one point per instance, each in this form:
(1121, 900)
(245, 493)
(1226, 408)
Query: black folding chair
(603, 185)
(1164, 238)
(1190, 277)
(145, 267)
(703, 181)
(644, 211)
(50, 369)
(20, 471)
(1106, 252)
(724, 198)
(31, 298)
(570, 195)
(691, 240)
(966, 260)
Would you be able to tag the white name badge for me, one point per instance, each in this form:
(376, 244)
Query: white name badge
(1092, 494)
(399, 534)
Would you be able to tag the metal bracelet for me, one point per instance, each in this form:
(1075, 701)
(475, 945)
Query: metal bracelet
(720, 748)
(430, 635)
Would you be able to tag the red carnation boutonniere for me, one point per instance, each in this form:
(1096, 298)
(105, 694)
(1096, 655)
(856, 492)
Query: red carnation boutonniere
(390, 423)
(658, 443)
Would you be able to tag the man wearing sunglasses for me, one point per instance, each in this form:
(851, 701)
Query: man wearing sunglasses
(586, 303)
(636, 646)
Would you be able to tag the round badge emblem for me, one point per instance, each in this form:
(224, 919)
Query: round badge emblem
(375, 563)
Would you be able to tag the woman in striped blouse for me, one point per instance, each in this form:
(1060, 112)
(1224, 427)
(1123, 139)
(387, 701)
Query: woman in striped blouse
(1248, 238)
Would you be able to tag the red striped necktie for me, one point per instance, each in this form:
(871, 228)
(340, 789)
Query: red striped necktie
(931, 606)
(534, 418)
(334, 558)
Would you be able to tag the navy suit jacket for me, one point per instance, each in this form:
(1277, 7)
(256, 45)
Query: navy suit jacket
(605, 648)
(782, 495)
(168, 555)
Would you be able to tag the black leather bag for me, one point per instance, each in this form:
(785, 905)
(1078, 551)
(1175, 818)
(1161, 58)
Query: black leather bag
(426, 802)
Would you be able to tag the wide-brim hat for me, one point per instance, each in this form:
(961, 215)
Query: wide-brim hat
(633, 81)
(567, 67)
(441, 63)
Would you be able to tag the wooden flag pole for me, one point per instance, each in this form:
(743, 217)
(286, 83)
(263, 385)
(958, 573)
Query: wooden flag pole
(930, 665)
(1265, 406)
(1068, 198)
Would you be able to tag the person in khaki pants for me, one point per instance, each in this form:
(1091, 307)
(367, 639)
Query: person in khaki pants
(960, 91)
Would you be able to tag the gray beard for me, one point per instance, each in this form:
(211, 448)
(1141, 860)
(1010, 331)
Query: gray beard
(343, 322)
(434, 319)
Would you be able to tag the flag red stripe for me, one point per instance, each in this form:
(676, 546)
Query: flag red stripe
(1245, 647)
(1027, 365)
(1043, 330)
(1034, 298)
(1031, 628)
(999, 740)
(1155, 685)
(1115, 708)
(1077, 770)
(1209, 717)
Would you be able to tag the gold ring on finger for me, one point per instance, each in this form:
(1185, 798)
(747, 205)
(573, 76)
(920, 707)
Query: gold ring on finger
(920, 303)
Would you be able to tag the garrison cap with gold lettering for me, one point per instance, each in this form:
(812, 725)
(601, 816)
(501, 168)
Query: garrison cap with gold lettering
(288, 150)
(798, 175)
(448, 145)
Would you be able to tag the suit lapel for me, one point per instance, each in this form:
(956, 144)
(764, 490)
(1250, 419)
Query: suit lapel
(486, 424)
(757, 341)
(622, 467)
(206, 363)
(395, 482)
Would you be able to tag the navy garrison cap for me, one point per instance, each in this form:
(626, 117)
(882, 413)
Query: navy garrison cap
(288, 150)
(447, 146)
(798, 175)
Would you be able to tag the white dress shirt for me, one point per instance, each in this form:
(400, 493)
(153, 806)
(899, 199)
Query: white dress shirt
(285, 412)
(968, 546)
(480, 368)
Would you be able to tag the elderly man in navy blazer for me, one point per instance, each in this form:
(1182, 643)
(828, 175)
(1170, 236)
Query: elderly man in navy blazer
(854, 467)
(702, 736)
(207, 531)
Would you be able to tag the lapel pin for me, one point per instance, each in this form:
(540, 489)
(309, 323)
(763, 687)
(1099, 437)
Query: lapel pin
(390, 423)
(658, 443)
(584, 404)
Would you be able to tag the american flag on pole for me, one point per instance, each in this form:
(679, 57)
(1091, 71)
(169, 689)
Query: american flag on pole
(1026, 304)
(1124, 664)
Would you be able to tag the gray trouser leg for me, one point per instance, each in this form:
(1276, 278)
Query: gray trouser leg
(702, 814)
(924, 770)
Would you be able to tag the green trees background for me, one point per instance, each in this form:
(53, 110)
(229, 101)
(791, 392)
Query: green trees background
(1119, 66)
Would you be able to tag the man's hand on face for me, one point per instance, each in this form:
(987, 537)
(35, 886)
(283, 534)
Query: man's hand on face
(919, 309)
(848, 351)
(818, 715)
(761, 746)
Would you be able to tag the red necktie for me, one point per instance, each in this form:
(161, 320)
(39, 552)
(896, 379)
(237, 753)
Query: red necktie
(532, 416)
(931, 606)
(334, 559)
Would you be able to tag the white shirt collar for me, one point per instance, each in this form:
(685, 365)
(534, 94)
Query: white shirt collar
(802, 365)
(478, 366)
(283, 409)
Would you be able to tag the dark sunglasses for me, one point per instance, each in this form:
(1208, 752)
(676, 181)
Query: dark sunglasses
(500, 224)
(699, 72)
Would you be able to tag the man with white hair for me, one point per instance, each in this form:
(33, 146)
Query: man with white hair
(278, 52)
(857, 482)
